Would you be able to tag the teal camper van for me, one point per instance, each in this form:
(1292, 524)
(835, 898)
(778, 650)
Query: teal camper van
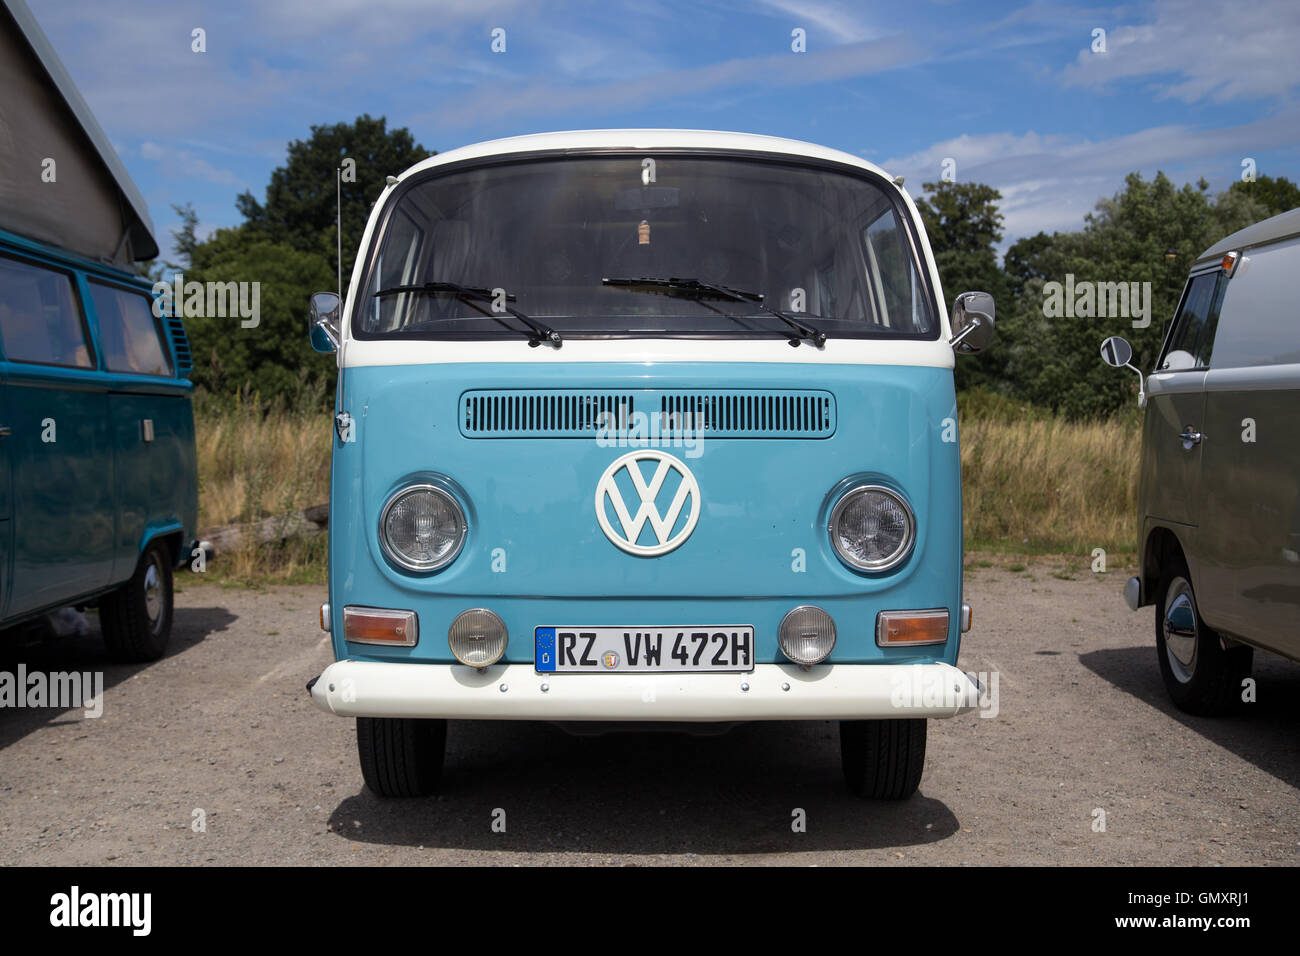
(98, 479)
(646, 428)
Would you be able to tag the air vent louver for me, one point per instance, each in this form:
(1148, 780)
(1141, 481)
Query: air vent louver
(715, 413)
(180, 346)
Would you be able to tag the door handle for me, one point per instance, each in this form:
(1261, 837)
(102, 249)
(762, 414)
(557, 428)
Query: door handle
(1190, 437)
(5, 431)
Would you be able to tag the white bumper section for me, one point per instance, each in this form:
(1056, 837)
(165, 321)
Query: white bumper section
(770, 692)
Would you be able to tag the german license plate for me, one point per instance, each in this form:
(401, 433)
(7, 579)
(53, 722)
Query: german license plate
(596, 650)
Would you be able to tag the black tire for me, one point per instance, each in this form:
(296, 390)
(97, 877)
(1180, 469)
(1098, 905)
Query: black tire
(883, 759)
(1201, 676)
(137, 618)
(401, 756)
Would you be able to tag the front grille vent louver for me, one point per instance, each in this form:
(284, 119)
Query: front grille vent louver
(751, 414)
(716, 413)
(554, 414)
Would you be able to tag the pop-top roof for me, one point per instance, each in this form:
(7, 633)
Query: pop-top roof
(85, 201)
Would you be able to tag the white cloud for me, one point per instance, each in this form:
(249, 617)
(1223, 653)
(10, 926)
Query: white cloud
(135, 66)
(181, 163)
(546, 98)
(843, 21)
(585, 52)
(1198, 50)
(1050, 182)
(375, 20)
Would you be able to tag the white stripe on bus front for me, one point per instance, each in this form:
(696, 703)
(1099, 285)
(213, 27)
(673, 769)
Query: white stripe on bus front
(935, 354)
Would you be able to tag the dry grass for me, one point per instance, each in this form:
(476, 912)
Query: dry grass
(1033, 484)
(1050, 486)
(258, 459)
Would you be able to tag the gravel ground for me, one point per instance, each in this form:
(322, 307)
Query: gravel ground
(223, 726)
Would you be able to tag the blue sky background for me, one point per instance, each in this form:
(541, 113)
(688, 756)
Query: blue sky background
(1011, 91)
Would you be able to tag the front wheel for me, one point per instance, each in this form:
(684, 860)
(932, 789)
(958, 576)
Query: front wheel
(883, 759)
(401, 756)
(137, 618)
(1201, 675)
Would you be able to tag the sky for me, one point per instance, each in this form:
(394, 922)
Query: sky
(1027, 97)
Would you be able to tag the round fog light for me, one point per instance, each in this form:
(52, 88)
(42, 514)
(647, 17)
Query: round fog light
(807, 635)
(477, 637)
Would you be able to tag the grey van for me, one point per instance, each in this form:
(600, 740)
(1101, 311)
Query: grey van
(1219, 496)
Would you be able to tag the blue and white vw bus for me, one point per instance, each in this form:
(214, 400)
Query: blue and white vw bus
(645, 427)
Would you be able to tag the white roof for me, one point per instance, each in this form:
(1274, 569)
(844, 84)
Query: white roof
(648, 139)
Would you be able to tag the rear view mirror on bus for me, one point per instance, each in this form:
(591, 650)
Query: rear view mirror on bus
(323, 321)
(972, 322)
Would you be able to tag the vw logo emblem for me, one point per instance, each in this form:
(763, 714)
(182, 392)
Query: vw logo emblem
(630, 525)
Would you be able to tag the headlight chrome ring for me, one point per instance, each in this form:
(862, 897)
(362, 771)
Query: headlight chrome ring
(439, 516)
(876, 512)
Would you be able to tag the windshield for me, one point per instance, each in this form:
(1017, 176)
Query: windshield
(544, 234)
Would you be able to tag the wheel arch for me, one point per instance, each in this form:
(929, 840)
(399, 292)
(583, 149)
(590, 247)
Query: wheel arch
(1162, 545)
(171, 535)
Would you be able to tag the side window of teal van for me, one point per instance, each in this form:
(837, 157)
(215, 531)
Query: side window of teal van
(40, 321)
(128, 332)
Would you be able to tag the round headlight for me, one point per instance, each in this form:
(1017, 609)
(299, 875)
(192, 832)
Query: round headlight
(807, 635)
(477, 637)
(872, 528)
(422, 528)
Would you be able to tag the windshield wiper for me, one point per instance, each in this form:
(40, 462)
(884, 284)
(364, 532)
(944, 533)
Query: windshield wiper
(699, 288)
(472, 296)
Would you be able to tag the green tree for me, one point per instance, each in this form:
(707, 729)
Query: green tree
(299, 209)
(270, 357)
(1023, 261)
(1276, 195)
(964, 225)
(185, 239)
(286, 245)
(1150, 232)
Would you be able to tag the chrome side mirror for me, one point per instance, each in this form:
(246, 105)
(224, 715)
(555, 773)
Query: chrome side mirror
(1117, 353)
(972, 322)
(323, 321)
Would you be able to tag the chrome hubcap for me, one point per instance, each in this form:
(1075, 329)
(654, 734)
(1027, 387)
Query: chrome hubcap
(153, 598)
(1180, 629)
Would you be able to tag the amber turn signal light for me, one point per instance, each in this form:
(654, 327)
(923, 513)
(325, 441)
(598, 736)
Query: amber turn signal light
(375, 625)
(911, 627)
